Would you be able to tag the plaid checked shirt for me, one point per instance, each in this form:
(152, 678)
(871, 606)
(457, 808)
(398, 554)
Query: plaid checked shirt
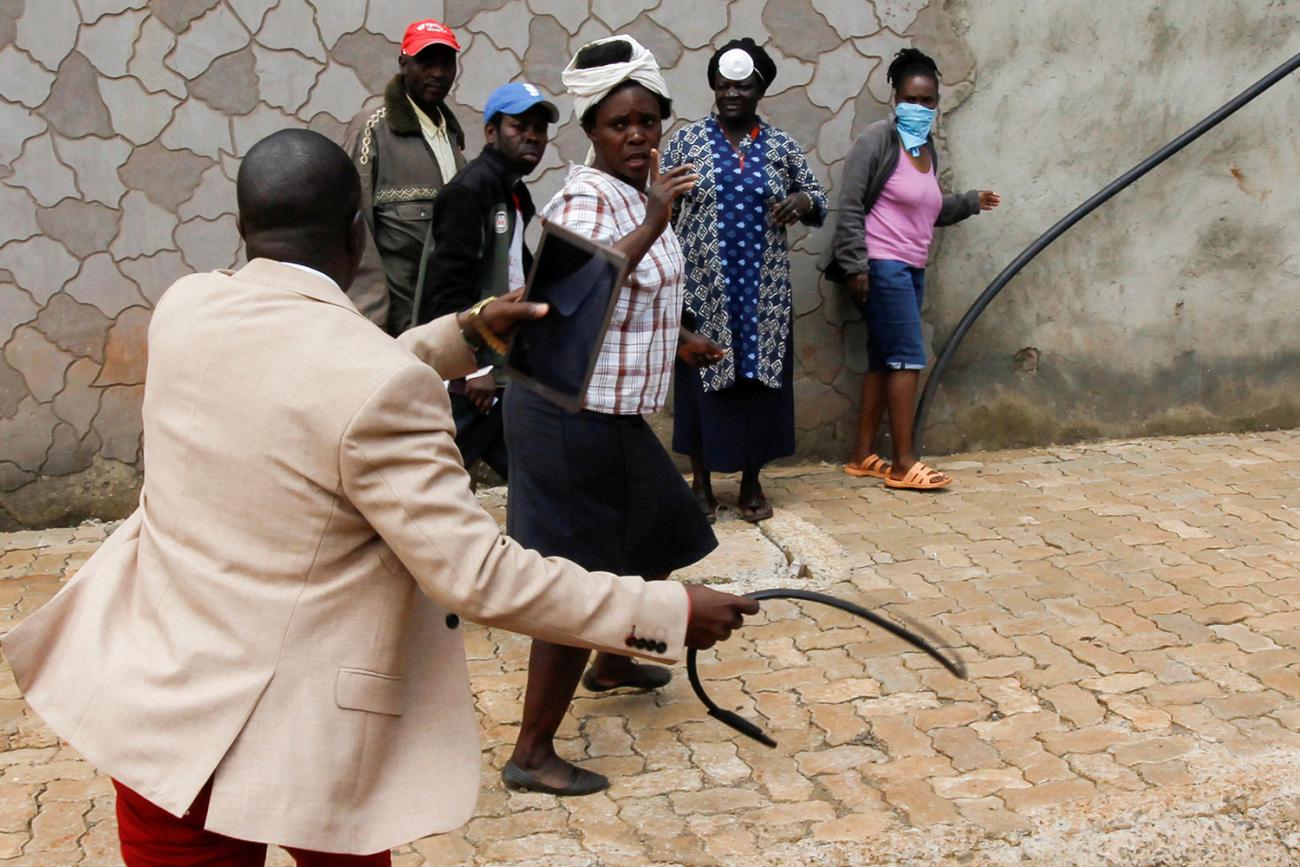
(636, 359)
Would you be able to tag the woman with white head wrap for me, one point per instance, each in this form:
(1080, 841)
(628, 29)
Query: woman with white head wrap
(597, 487)
(593, 73)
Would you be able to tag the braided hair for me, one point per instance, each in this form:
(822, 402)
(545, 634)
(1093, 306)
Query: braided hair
(907, 63)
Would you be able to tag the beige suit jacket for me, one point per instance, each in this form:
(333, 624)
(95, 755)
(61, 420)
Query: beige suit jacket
(277, 614)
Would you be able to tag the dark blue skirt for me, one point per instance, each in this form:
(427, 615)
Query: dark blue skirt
(741, 427)
(599, 490)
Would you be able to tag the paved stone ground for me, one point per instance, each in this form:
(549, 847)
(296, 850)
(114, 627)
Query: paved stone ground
(1129, 612)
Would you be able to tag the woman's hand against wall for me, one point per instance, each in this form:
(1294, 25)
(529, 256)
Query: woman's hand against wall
(664, 190)
(989, 200)
(859, 286)
(791, 209)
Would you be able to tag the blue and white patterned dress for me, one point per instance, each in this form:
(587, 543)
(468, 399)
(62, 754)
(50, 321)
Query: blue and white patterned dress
(739, 413)
(742, 208)
(776, 167)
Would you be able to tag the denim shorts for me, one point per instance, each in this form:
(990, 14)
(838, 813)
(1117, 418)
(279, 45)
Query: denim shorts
(893, 315)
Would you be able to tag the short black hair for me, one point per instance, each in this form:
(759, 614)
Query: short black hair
(295, 180)
(909, 62)
(603, 54)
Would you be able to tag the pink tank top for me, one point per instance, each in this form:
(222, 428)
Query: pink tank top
(900, 224)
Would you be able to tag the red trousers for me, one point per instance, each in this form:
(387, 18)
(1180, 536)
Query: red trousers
(152, 837)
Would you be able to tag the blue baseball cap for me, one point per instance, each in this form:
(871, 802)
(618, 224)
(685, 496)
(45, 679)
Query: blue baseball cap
(516, 98)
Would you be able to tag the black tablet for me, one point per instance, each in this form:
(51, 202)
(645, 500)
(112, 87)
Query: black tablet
(580, 279)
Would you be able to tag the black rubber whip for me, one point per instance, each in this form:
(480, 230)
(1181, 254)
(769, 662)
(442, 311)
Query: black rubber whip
(749, 729)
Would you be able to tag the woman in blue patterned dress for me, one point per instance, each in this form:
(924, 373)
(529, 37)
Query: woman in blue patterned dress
(738, 414)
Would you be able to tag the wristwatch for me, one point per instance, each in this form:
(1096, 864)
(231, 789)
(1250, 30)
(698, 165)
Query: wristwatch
(474, 319)
(471, 335)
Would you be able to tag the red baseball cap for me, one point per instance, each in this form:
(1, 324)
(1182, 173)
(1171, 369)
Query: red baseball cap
(421, 34)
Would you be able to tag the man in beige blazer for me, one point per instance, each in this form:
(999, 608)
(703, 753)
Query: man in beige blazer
(275, 628)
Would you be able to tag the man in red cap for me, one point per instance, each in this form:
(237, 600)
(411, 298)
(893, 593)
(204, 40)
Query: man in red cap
(406, 144)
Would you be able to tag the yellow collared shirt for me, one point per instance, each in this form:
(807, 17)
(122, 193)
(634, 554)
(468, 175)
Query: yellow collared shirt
(435, 135)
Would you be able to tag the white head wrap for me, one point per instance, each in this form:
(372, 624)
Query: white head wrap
(590, 86)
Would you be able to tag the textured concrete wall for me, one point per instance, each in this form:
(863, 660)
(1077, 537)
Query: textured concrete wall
(122, 123)
(1176, 307)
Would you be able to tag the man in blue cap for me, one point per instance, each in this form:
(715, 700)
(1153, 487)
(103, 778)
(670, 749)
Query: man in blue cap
(479, 253)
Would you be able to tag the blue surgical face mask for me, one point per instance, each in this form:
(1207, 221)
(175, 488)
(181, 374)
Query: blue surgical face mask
(914, 123)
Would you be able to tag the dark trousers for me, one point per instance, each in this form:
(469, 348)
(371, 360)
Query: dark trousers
(152, 837)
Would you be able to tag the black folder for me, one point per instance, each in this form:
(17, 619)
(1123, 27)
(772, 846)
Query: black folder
(580, 279)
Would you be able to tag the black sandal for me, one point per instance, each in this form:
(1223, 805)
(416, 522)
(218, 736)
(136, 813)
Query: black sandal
(753, 512)
(709, 508)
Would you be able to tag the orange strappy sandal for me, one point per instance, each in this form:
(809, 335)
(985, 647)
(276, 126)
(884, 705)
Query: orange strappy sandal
(872, 467)
(919, 478)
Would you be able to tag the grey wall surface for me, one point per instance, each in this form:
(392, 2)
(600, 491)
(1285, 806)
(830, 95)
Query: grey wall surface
(1176, 307)
(122, 123)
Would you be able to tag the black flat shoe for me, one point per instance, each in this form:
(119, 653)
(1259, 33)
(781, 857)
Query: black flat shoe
(646, 677)
(581, 783)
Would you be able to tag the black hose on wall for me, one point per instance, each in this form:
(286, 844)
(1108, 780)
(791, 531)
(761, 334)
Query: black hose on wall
(1212, 120)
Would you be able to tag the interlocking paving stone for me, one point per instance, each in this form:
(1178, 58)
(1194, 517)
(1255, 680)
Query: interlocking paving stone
(39, 170)
(1120, 699)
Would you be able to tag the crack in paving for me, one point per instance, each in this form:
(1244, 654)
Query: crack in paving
(785, 551)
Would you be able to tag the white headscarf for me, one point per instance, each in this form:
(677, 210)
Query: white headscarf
(590, 86)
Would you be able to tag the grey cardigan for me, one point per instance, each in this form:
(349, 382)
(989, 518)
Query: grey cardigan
(871, 161)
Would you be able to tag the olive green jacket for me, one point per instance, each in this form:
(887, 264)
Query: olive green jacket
(399, 180)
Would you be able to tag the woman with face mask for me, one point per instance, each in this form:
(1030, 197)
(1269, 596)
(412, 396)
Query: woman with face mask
(737, 415)
(889, 207)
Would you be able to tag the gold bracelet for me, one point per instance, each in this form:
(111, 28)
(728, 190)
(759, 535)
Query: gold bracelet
(475, 318)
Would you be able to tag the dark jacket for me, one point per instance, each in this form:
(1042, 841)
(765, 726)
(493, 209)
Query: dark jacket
(870, 163)
(399, 181)
(473, 223)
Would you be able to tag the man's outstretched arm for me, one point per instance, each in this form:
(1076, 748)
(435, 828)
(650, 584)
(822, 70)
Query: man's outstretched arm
(402, 471)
